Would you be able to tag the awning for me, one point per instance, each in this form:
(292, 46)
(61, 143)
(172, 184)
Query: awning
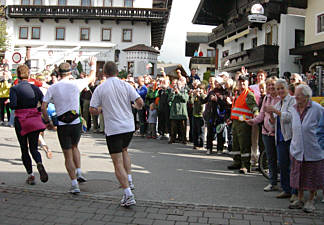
(238, 35)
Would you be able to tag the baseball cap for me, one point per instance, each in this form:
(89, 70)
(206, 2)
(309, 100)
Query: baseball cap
(243, 77)
(219, 80)
(224, 74)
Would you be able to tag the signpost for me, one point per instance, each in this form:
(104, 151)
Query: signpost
(16, 57)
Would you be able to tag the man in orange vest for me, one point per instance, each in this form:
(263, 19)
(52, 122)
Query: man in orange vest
(244, 107)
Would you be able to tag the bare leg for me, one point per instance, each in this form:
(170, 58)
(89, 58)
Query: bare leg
(312, 195)
(69, 163)
(120, 171)
(300, 195)
(126, 161)
(76, 156)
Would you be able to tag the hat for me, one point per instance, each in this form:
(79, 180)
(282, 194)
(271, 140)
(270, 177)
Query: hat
(224, 74)
(219, 80)
(64, 68)
(243, 77)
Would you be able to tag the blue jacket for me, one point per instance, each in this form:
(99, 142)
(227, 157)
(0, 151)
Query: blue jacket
(142, 91)
(320, 132)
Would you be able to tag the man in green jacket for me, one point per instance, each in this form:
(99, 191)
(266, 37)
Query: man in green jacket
(178, 99)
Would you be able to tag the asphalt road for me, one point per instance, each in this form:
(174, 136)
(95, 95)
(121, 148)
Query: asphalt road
(161, 172)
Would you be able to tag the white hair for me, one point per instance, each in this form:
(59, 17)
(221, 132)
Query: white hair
(306, 90)
(283, 82)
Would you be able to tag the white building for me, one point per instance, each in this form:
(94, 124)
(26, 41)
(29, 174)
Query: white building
(239, 42)
(73, 30)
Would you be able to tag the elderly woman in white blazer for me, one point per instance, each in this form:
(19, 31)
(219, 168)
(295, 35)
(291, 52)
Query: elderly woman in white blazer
(307, 156)
(281, 118)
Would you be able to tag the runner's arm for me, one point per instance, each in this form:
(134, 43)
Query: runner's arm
(92, 75)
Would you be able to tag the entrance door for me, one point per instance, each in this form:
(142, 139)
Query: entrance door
(100, 65)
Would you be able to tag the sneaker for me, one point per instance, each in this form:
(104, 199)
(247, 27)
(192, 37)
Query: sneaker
(309, 206)
(128, 201)
(293, 198)
(271, 187)
(322, 200)
(75, 189)
(284, 195)
(42, 172)
(208, 152)
(81, 179)
(297, 204)
(30, 180)
(131, 186)
(243, 171)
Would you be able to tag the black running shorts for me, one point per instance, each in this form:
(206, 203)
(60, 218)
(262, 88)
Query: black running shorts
(116, 143)
(69, 135)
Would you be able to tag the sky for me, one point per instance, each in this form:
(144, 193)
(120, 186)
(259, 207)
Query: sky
(180, 22)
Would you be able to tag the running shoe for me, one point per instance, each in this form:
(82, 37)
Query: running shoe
(42, 172)
(81, 179)
(127, 201)
(30, 180)
(131, 186)
(75, 189)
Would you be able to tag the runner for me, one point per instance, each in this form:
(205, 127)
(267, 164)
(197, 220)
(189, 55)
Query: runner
(65, 96)
(24, 98)
(115, 97)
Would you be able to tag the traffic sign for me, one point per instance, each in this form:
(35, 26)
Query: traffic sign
(16, 57)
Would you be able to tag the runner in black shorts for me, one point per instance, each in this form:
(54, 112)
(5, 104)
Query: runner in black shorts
(69, 135)
(113, 98)
(116, 143)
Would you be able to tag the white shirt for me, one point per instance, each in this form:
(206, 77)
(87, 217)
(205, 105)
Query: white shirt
(115, 97)
(65, 95)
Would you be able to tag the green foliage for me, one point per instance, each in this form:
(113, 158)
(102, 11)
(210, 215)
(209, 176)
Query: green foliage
(3, 32)
(122, 74)
(207, 74)
(79, 67)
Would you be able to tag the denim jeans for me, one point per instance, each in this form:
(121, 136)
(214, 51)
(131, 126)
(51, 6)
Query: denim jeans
(284, 164)
(142, 120)
(197, 134)
(271, 151)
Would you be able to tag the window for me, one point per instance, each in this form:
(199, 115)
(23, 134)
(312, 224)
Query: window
(61, 2)
(299, 38)
(25, 2)
(242, 47)
(35, 33)
(106, 34)
(84, 34)
(37, 2)
(107, 3)
(85, 2)
(210, 53)
(60, 33)
(269, 38)
(225, 53)
(254, 42)
(127, 35)
(23, 32)
(320, 23)
(151, 69)
(128, 3)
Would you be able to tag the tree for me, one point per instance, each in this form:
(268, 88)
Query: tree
(3, 30)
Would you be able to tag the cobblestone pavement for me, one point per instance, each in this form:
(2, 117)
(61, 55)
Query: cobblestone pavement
(19, 206)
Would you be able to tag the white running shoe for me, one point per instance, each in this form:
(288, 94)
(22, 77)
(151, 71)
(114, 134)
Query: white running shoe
(75, 189)
(127, 201)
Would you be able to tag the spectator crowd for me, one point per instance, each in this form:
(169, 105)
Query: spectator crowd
(238, 115)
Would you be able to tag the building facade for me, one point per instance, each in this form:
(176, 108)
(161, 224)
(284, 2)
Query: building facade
(241, 42)
(312, 53)
(73, 30)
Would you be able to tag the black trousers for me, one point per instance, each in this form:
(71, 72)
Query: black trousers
(197, 131)
(2, 109)
(178, 127)
(29, 140)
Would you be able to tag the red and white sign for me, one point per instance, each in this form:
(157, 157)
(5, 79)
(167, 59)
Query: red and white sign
(16, 57)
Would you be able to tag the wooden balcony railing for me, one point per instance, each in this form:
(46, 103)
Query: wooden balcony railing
(82, 12)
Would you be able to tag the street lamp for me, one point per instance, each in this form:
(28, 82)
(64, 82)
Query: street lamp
(257, 16)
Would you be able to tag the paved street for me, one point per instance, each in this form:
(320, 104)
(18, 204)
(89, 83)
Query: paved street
(174, 185)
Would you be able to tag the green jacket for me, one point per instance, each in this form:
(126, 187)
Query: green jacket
(178, 105)
(198, 107)
(151, 96)
(4, 89)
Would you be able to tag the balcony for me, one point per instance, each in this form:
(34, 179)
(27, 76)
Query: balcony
(203, 60)
(81, 12)
(263, 55)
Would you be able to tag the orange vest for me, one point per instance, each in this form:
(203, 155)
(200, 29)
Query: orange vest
(240, 110)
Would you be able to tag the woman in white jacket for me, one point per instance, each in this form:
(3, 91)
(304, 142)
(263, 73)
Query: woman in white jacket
(281, 118)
